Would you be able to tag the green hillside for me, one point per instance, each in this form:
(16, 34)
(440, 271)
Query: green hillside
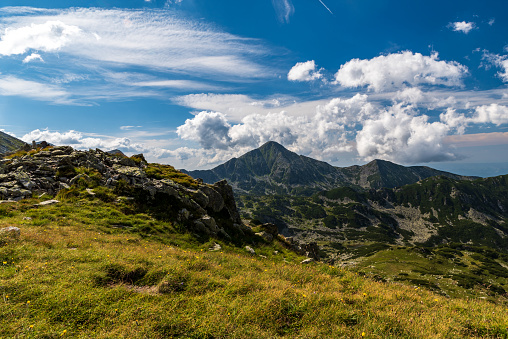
(9, 143)
(75, 272)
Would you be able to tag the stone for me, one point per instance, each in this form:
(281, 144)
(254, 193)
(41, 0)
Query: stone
(47, 202)
(270, 228)
(250, 250)
(9, 234)
(265, 235)
(210, 223)
(184, 214)
(307, 261)
(63, 185)
(216, 247)
(215, 200)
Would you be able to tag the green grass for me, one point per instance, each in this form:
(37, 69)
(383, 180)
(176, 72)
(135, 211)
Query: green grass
(459, 271)
(157, 171)
(88, 268)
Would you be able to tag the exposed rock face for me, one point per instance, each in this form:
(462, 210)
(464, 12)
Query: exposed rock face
(204, 208)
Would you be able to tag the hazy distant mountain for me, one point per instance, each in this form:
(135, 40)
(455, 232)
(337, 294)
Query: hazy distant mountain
(9, 143)
(272, 168)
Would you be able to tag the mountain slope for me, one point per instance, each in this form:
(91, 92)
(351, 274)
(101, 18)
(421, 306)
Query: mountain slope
(9, 143)
(272, 169)
(433, 211)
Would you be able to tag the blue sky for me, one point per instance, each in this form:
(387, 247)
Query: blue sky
(193, 83)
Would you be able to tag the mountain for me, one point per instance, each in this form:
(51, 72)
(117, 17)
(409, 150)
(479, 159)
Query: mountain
(272, 169)
(9, 143)
(434, 211)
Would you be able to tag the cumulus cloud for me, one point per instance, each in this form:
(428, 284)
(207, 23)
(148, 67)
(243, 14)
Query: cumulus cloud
(304, 71)
(399, 135)
(32, 57)
(463, 26)
(80, 140)
(396, 70)
(211, 129)
(49, 36)
(323, 133)
(485, 114)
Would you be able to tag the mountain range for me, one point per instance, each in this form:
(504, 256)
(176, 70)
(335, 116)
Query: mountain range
(272, 169)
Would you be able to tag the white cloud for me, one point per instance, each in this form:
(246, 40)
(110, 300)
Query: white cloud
(49, 36)
(99, 42)
(211, 129)
(12, 86)
(238, 106)
(485, 114)
(304, 71)
(500, 61)
(176, 84)
(396, 70)
(492, 21)
(399, 135)
(32, 57)
(463, 26)
(284, 9)
(127, 128)
(493, 114)
(320, 134)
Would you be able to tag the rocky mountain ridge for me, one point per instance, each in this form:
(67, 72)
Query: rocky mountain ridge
(49, 171)
(272, 169)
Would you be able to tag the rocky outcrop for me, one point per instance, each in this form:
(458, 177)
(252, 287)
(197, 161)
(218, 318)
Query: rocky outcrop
(202, 208)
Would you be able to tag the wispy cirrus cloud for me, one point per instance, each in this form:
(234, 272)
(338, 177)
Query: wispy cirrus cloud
(284, 9)
(186, 54)
(12, 86)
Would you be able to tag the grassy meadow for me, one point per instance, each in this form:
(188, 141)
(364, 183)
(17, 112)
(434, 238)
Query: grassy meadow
(92, 268)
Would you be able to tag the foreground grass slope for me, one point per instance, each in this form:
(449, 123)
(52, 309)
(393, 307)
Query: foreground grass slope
(86, 268)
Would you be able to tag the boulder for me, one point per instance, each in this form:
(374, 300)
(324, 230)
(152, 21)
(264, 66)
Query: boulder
(270, 228)
(250, 250)
(265, 235)
(8, 234)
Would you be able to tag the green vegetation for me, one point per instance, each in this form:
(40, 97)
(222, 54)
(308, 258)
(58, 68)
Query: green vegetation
(456, 270)
(157, 171)
(21, 153)
(91, 268)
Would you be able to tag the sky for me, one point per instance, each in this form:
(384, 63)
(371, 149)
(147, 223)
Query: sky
(193, 83)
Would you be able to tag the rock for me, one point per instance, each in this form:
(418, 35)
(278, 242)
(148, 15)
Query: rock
(90, 191)
(216, 247)
(270, 228)
(210, 223)
(307, 261)
(265, 235)
(199, 197)
(48, 202)
(226, 191)
(184, 214)
(10, 233)
(250, 250)
(215, 200)
(63, 185)
(75, 179)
